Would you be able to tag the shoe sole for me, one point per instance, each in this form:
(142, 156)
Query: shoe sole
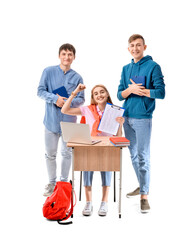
(145, 211)
(86, 215)
(132, 196)
(102, 215)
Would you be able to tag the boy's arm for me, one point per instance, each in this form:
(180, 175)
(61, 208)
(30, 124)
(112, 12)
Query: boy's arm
(134, 88)
(158, 84)
(121, 87)
(124, 91)
(43, 92)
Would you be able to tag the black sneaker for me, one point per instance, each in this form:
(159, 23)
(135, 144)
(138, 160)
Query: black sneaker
(144, 206)
(134, 193)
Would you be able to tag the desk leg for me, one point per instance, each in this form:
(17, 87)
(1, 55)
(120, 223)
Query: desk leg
(120, 183)
(72, 177)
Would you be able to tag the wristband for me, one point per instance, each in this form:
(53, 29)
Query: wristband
(73, 94)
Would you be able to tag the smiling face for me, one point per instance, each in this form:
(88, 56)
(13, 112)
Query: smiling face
(66, 58)
(136, 48)
(100, 95)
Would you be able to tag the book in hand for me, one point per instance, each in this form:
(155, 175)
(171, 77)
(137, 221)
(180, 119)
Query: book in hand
(139, 79)
(119, 141)
(61, 91)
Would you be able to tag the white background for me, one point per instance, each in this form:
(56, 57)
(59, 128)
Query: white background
(31, 33)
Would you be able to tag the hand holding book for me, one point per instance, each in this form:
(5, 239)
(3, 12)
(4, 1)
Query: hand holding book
(62, 95)
(60, 101)
(138, 86)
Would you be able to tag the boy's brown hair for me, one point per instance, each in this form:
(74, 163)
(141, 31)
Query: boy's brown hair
(136, 36)
(68, 47)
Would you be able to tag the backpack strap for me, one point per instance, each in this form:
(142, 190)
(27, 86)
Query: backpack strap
(70, 213)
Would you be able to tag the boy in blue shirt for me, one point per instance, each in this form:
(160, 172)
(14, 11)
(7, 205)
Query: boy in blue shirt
(53, 78)
(139, 103)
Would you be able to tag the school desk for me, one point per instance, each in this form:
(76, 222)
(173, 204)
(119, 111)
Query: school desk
(103, 156)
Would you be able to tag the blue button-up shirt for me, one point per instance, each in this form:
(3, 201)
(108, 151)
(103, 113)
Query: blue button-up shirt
(51, 79)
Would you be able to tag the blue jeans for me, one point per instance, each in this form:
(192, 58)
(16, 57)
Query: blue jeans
(105, 177)
(51, 145)
(138, 131)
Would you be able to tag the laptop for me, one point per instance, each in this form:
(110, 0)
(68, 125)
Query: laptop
(77, 133)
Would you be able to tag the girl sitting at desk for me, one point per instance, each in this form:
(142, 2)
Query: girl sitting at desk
(93, 113)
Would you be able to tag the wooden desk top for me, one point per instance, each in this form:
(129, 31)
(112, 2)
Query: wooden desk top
(105, 142)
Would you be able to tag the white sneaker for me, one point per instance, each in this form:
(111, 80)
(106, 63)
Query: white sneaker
(49, 188)
(88, 209)
(103, 209)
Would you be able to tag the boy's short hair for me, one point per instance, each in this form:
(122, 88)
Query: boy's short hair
(68, 47)
(136, 36)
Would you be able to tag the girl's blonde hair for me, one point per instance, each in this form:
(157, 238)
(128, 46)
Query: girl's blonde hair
(102, 86)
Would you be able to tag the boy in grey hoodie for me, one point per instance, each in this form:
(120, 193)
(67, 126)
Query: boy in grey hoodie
(141, 83)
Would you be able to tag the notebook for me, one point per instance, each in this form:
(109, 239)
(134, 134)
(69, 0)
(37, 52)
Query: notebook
(139, 79)
(119, 141)
(77, 133)
(61, 91)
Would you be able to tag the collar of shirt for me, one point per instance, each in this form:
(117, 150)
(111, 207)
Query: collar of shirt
(99, 111)
(60, 69)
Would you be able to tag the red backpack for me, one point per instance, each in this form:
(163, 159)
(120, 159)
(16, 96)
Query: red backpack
(59, 206)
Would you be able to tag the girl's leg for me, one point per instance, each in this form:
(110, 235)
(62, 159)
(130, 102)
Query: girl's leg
(105, 193)
(88, 176)
(88, 193)
(106, 182)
